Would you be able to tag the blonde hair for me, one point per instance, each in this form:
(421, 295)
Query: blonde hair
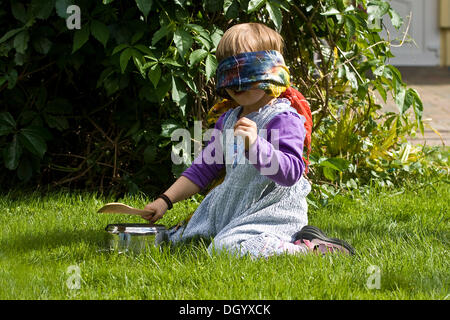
(248, 37)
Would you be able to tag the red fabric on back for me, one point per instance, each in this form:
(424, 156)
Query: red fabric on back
(299, 103)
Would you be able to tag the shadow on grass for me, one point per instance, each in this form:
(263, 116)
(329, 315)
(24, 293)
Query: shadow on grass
(395, 232)
(53, 239)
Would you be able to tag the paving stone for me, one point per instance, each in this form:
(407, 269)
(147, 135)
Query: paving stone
(433, 86)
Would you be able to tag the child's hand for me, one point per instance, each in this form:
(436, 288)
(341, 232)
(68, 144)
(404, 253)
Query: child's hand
(156, 210)
(247, 129)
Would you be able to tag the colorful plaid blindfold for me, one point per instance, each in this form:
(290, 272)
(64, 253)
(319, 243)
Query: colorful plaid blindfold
(264, 70)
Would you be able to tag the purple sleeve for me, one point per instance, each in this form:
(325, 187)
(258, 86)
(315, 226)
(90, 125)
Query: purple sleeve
(203, 169)
(283, 164)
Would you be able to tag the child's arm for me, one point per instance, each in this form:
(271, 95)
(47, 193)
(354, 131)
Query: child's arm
(181, 189)
(287, 158)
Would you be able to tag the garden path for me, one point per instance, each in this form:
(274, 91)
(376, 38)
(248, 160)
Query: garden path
(433, 85)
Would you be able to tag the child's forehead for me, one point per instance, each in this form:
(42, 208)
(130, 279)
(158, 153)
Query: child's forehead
(248, 37)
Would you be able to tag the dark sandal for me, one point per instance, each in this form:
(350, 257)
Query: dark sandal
(310, 233)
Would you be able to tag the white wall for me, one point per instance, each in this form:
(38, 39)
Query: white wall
(424, 29)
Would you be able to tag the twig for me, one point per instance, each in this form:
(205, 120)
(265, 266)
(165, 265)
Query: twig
(73, 178)
(351, 65)
(37, 70)
(309, 26)
(85, 158)
(404, 34)
(23, 74)
(349, 60)
(388, 42)
(99, 129)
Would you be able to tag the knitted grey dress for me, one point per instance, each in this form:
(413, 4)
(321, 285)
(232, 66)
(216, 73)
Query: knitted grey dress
(248, 213)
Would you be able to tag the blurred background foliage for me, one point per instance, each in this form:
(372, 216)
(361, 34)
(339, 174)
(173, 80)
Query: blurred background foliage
(94, 108)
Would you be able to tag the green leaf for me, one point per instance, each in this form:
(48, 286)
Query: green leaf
(329, 173)
(362, 90)
(139, 62)
(111, 85)
(120, 47)
(7, 123)
(178, 92)
(136, 37)
(195, 27)
(18, 11)
(42, 9)
(216, 36)
(231, 9)
(395, 73)
(12, 78)
(197, 56)
(57, 122)
(396, 19)
(413, 99)
(12, 153)
(170, 62)
(255, 5)
(351, 184)
(183, 41)
(337, 164)
(211, 66)
(31, 139)
(206, 42)
(154, 74)
(10, 34)
(80, 37)
(350, 27)
(331, 12)
(42, 45)
(21, 41)
(19, 59)
(161, 33)
(377, 9)
(147, 51)
(189, 81)
(168, 126)
(400, 99)
(275, 14)
(144, 6)
(124, 58)
(100, 31)
(381, 91)
(163, 87)
(199, 31)
(351, 76)
(61, 7)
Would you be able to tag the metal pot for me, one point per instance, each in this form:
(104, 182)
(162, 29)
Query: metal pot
(135, 237)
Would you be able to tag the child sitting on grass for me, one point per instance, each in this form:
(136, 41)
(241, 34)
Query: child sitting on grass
(260, 208)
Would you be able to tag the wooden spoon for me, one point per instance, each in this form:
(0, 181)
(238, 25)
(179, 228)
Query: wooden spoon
(117, 207)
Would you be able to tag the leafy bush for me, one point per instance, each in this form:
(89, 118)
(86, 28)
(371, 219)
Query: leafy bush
(95, 107)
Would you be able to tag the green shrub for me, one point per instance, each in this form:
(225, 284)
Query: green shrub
(94, 108)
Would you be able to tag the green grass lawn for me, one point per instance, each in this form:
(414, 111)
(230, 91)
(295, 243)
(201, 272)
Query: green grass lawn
(403, 235)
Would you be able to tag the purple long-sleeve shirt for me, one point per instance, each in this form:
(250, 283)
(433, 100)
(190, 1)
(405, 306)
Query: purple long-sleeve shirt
(290, 140)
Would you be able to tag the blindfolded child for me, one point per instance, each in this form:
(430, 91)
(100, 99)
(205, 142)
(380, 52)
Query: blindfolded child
(260, 133)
